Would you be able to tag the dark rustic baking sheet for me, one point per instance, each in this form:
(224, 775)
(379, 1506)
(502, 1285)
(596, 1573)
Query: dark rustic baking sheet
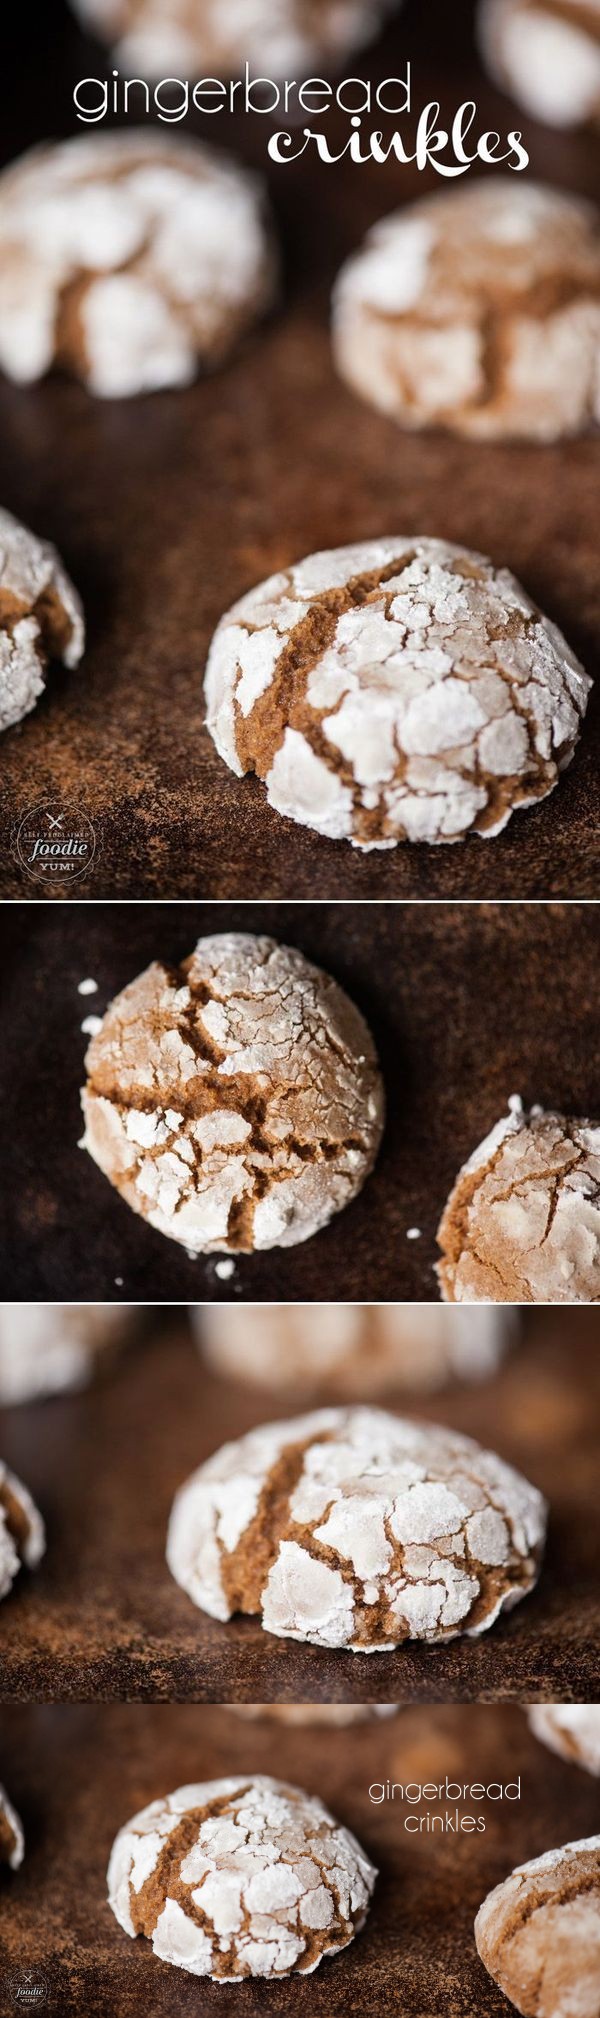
(166, 509)
(468, 1004)
(103, 1617)
(78, 1774)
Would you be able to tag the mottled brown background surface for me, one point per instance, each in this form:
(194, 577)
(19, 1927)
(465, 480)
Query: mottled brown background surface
(468, 1004)
(104, 1618)
(79, 1774)
(168, 508)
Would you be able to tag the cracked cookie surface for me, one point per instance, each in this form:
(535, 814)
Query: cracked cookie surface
(357, 1528)
(547, 54)
(22, 1533)
(522, 1223)
(48, 1348)
(477, 310)
(399, 690)
(238, 1878)
(570, 1729)
(132, 259)
(359, 1350)
(236, 1101)
(538, 1933)
(41, 617)
(12, 1840)
(220, 36)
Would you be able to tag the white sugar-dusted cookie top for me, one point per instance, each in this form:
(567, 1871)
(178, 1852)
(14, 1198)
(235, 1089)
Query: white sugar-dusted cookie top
(358, 1349)
(12, 1840)
(547, 54)
(41, 617)
(133, 258)
(477, 309)
(403, 689)
(213, 37)
(571, 1729)
(522, 1223)
(384, 1530)
(22, 1533)
(538, 1933)
(236, 1101)
(239, 1878)
(47, 1348)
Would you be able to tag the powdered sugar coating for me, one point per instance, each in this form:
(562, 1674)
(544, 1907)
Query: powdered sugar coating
(22, 1533)
(132, 258)
(477, 309)
(40, 616)
(356, 1528)
(522, 1223)
(48, 1348)
(236, 1878)
(201, 37)
(12, 1840)
(359, 1349)
(571, 1729)
(235, 1102)
(538, 1933)
(547, 54)
(399, 690)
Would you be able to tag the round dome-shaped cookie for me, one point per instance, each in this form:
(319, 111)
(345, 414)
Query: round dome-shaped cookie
(403, 690)
(477, 310)
(235, 1101)
(358, 1349)
(538, 1933)
(356, 1528)
(12, 1840)
(571, 1729)
(240, 1877)
(41, 617)
(133, 259)
(211, 38)
(22, 1533)
(546, 53)
(48, 1348)
(522, 1223)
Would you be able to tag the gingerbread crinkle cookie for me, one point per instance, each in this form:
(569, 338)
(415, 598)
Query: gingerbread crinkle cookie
(132, 259)
(238, 1878)
(538, 1933)
(235, 1101)
(522, 1223)
(218, 37)
(403, 690)
(547, 54)
(22, 1534)
(356, 1528)
(41, 617)
(570, 1729)
(360, 1350)
(477, 310)
(12, 1840)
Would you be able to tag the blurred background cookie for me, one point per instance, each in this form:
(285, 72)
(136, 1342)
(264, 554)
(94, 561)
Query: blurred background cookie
(135, 260)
